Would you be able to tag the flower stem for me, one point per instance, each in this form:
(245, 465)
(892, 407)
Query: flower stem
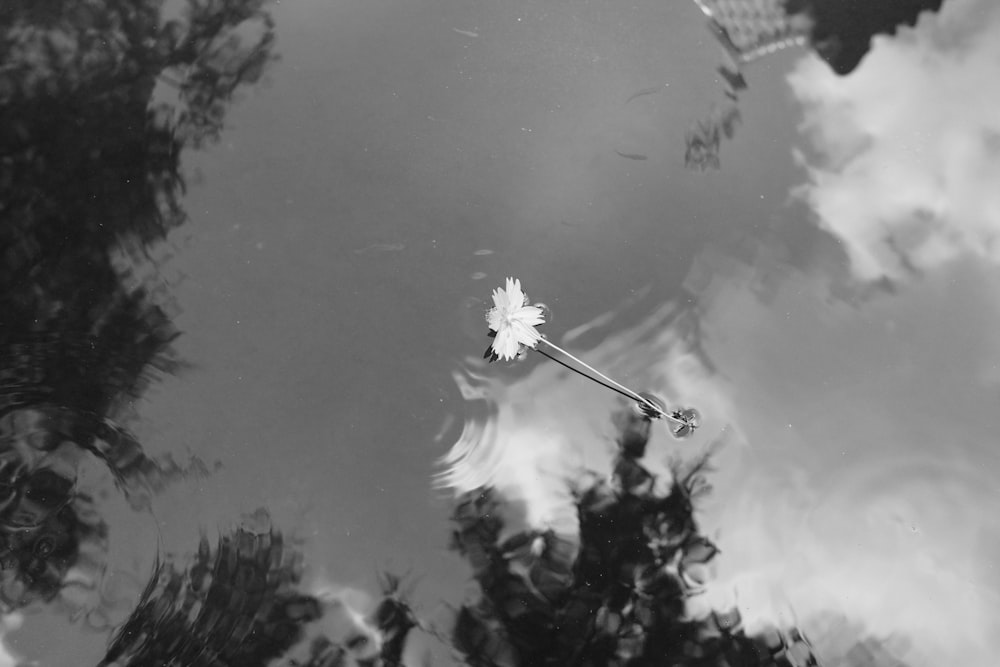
(611, 384)
(559, 361)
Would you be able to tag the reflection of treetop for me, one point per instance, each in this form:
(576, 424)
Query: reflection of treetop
(97, 100)
(615, 593)
(79, 89)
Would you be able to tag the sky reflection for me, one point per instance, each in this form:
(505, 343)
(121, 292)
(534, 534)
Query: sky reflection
(868, 432)
(905, 164)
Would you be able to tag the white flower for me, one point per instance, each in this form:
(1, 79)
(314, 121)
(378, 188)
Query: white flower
(513, 320)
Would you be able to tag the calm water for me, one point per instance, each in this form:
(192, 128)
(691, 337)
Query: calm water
(826, 299)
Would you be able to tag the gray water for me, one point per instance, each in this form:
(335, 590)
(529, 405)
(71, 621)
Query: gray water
(401, 159)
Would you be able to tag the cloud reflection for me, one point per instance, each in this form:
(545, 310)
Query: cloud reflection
(869, 460)
(908, 146)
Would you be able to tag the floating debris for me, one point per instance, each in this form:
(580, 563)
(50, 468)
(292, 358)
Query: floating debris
(380, 247)
(652, 90)
(632, 156)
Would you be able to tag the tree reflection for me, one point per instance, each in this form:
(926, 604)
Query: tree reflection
(233, 603)
(97, 100)
(44, 520)
(703, 141)
(613, 595)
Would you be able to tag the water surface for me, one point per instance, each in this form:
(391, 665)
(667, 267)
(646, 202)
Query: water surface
(344, 231)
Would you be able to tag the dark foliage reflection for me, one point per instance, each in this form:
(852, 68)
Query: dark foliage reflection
(612, 595)
(97, 100)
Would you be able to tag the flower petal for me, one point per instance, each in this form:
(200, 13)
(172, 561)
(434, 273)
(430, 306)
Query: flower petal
(524, 334)
(515, 297)
(494, 319)
(499, 298)
(505, 345)
(532, 315)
